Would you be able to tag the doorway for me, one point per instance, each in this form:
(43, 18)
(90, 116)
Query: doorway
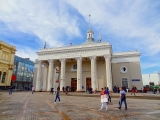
(73, 84)
(88, 82)
(124, 82)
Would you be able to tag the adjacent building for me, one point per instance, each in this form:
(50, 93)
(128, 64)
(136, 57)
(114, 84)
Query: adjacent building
(7, 53)
(151, 79)
(89, 64)
(23, 71)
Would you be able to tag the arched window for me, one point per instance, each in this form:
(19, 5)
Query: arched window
(4, 77)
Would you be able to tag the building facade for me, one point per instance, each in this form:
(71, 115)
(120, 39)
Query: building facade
(89, 64)
(7, 53)
(151, 79)
(22, 73)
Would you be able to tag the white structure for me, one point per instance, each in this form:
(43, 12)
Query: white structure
(147, 78)
(89, 64)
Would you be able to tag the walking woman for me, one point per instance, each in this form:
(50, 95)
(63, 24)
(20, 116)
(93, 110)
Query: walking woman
(133, 90)
(103, 99)
(57, 95)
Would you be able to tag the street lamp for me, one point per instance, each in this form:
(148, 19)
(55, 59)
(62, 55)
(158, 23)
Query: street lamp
(159, 77)
(149, 79)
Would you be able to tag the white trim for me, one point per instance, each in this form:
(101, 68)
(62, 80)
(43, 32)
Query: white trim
(123, 71)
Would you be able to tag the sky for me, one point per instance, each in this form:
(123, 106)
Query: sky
(128, 25)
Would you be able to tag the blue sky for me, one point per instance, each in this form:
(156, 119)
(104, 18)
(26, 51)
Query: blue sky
(128, 25)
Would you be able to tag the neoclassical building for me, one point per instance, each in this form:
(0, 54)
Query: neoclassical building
(7, 53)
(89, 64)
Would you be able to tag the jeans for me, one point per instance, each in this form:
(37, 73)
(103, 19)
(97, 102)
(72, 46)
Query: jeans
(10, 92)
(123, 100)
(109, 98)
(57, 96)
(32, 91)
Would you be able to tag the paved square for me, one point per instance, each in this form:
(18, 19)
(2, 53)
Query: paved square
(40, 106)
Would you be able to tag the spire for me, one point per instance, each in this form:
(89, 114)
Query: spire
(90, 34)
(89, 22)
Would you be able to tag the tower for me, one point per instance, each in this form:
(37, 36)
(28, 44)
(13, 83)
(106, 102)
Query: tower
(90, 34)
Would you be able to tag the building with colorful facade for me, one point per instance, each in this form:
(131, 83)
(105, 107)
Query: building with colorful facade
(7, 53)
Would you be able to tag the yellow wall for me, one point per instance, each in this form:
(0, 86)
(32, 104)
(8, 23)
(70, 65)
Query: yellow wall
(7, 53)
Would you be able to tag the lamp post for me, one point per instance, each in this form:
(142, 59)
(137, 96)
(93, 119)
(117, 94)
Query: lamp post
(149, 79)
(150, 82)
(159, 77)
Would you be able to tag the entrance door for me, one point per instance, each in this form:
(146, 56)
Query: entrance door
(88, 82)
(73, 84)
(124, 82)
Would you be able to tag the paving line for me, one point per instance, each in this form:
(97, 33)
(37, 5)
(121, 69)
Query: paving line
(3, 100)
(63, 115)
(20, 114)
(95, 111)
(106, 116)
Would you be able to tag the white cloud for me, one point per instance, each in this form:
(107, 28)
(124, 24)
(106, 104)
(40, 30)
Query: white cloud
(133, 24)
(47, 20)
(127, 19)
(27, 52)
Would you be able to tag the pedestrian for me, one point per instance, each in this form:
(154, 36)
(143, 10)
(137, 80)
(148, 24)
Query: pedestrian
(57, 95)
(127, 89)
(103, 99)
(63, 89)
(109, 96)
(33, 89)
(10, 90)
(122, 98)
(133, 90)
(51, 92)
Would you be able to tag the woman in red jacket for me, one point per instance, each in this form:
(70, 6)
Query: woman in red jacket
(103, 99)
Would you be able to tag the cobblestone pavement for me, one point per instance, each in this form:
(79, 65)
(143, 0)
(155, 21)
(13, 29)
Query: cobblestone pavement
(40, 106)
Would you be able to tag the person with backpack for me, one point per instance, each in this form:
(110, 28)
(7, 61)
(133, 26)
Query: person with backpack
(122, 98)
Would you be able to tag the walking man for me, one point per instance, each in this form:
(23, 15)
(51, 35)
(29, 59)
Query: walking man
(122, 98)
(10, 90)
(57, 95)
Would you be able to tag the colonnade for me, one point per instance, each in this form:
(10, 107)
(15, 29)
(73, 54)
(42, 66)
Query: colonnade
(94, 83)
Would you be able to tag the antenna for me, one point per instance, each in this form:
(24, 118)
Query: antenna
(89, 22)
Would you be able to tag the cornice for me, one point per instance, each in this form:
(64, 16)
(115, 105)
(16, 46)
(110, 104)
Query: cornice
(6, 45)
(126, 55)
(74, 50)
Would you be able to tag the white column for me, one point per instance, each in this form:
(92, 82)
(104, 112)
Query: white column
(44, 86)
(93, 72)
(63, 71)
(79, 73)
(108, 71)
(50, 74)
(38, 76)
